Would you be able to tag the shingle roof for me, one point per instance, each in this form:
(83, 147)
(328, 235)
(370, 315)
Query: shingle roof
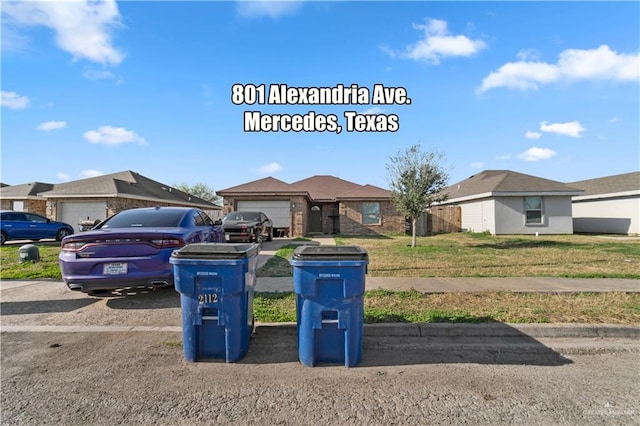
(126, 184)
(317, 188)
(610, 184)
(366, 192)
(268, 185)
(503, 182)
(24, 190)
(325, 188)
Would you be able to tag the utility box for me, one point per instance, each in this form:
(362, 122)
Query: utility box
(329, 282)
(29, 252)
(216, 282)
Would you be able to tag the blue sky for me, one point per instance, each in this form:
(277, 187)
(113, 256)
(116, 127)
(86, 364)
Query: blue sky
(544, 88)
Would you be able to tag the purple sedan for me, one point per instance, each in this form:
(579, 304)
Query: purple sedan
(132, 248)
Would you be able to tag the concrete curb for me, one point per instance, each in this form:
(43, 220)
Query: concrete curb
(487, 330)
(433, 331)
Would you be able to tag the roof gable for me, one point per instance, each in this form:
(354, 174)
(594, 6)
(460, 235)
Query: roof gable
(126, 184)
(503, 182)
(324, 187)
(24, 190)
(268, 184)
(366, 192)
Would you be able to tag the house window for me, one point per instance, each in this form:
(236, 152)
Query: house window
(370, 213)
(533, 210)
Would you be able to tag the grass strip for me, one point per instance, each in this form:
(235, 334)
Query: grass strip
(474, 307)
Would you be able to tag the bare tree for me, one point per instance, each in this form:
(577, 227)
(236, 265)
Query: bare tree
(416, 180)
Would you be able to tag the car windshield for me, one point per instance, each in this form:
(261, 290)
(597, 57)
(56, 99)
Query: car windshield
(242, 216)
(145, 218)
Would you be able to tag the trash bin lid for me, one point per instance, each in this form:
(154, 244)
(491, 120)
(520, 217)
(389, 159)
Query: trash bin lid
(217, 251)
(329, 253)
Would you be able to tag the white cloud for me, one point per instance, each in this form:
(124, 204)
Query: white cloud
(13, 100)
(537, 154)
(374, 110)
(477, 165)
(573, 65)
(269, 168)
(93, 74)
(113, 136)
(437, 43)
(528, 55)
(572, 128)
(82, 27)
(533, 135)
(270, 9)
(52, 125)
(615, 120)
(90, 173)
(503, 157)
(63, 177)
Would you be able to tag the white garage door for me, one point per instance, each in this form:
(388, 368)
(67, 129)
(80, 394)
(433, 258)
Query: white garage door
(75, 212)
(278, 211)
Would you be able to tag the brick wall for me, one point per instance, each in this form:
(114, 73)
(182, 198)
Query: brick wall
(114, 205)
(391, 221)
(30, 206)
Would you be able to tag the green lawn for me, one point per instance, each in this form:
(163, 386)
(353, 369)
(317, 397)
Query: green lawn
(415, 307)
(449, 255)
(483, 255)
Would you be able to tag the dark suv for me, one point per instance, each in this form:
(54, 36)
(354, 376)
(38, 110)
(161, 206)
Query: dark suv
(250, 227)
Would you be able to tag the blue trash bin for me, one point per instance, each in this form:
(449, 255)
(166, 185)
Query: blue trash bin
(329, 282)
(216, 282)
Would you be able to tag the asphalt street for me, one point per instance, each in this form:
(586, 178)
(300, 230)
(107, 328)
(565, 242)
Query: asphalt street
(73, 359)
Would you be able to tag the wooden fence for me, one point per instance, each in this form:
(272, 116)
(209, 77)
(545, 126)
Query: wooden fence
(444, 219)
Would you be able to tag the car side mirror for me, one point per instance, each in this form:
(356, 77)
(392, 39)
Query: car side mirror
(217, 222)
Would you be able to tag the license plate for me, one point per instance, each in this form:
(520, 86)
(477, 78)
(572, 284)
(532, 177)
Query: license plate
(114, 268)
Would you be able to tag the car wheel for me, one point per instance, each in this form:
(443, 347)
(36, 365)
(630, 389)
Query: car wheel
(62, 233)
(3, 238)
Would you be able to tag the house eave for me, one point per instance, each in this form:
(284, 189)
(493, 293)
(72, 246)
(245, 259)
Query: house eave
(496, 194)
(130, 197)
(606, 196)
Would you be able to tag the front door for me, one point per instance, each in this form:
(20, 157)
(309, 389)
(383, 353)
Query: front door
(315, 220)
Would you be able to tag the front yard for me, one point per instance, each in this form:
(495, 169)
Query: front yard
(450, 255)
(483, 255)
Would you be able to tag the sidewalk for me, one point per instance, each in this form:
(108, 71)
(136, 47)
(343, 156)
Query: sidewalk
(449, 285)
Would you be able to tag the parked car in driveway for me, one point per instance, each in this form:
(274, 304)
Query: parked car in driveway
(31, 226)
(132, 248)
(247, 226)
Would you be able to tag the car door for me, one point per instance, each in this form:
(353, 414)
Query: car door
(204, 224)
(15, 225)
(39, 227)
(264, 224)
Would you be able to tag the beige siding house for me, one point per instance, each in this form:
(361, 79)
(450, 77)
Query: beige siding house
(507, 202)
(609, 205)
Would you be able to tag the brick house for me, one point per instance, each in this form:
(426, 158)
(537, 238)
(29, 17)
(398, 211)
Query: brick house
(319, 204)
(97, 198)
